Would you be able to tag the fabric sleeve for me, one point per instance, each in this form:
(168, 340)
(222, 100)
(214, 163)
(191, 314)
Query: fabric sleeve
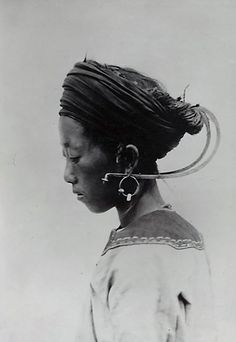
(142, 305)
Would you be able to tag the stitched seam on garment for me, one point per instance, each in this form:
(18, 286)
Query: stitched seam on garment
(135, 240)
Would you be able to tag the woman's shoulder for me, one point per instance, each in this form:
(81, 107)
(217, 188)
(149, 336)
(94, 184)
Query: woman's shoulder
(164, 227)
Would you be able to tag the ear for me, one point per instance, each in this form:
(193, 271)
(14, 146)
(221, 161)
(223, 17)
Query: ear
(127, 158)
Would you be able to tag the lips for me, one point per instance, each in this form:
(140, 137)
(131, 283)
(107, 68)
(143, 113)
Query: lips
(79, 195)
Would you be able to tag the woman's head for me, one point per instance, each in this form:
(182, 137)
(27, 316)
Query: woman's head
(107, 107)
(121, 106)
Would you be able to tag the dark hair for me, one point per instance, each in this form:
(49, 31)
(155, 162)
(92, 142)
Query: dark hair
(134, 109)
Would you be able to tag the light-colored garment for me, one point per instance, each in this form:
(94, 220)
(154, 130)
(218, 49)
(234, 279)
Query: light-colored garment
(151, 284)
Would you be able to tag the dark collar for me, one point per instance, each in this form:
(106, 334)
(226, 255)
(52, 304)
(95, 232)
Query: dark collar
(163, 227)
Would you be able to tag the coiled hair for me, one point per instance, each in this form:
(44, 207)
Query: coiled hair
(123, 106)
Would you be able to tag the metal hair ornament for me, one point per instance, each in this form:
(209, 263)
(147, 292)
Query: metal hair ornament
(193, 167)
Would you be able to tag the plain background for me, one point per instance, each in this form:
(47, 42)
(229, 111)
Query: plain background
(49, 241)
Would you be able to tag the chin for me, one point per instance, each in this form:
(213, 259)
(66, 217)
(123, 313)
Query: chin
(98, 209)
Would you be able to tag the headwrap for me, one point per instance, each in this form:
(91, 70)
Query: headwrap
(112, 101)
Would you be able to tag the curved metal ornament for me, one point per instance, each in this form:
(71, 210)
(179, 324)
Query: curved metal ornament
(190, 168)
(128, 195)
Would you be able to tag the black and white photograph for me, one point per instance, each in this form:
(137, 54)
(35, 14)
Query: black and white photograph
(117, 163)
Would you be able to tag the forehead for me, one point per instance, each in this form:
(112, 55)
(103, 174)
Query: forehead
(71, 133)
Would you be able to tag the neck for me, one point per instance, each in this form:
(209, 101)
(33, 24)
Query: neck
(147, 201)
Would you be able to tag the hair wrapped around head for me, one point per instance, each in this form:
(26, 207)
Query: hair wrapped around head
(125, 106)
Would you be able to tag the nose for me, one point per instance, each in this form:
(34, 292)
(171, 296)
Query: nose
(69, 175)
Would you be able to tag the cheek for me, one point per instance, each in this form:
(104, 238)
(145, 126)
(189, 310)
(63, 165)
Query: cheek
(90, 176)
(95, 168)
(102, 193)
(89, 180)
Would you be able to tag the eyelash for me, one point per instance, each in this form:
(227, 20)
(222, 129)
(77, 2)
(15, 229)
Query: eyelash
(75, 160)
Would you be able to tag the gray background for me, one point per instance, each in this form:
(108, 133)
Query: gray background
(49, 242)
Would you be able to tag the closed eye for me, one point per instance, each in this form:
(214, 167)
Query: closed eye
(74, 160)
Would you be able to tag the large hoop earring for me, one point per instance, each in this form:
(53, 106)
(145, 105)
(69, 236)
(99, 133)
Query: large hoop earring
(127, 192)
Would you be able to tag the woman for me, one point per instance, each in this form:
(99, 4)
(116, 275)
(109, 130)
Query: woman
(152, 281)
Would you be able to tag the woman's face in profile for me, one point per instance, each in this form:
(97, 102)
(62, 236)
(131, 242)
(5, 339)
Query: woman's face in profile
(86, 165)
